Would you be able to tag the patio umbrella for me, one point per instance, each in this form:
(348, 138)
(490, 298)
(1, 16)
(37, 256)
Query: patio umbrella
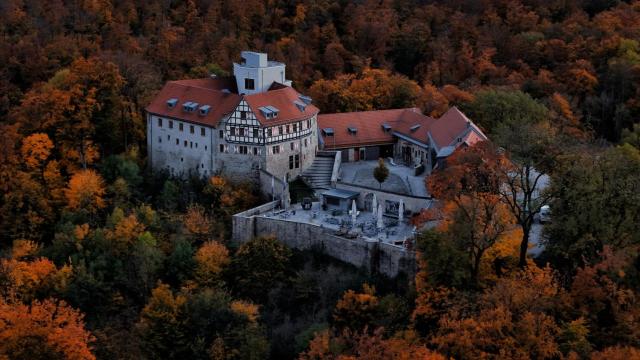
(354, 212)
(380, 224)
(374, 206)
(400, 211)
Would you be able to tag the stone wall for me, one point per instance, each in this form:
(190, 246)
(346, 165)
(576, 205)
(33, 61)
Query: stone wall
(382, 258)
(284, 198)
(412, 203)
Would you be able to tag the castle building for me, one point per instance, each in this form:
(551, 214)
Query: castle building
(404, 135)
(254, 122)
(233, 126)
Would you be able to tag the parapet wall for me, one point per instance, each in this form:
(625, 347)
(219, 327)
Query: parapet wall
(374, 256)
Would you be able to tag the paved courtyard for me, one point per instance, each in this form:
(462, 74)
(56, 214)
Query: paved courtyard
(341, 224)
(401, 178)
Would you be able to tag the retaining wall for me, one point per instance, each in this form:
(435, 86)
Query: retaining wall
(374, 256)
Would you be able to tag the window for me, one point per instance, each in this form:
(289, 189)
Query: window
(243, 150)
(159, 122)
(290, 162)
(221, 147)
(205, 147)
(280, 132)
(159, 139)
(241, 131)
(269, 132)
(185, 143)
(202, 166)
(180, 126)
(221, 134)
(308, 124)
(192, 129)
(170, 124)
(255, 150)
(202, 131)
(177, 141)
(168, 137)
(255, 133)
(295, 127)
(191, 144)
(196, 145)
(249, 84)
(276, 149)
(291, 146)
(305, 142)
(297, 160)
(233, 131)
(288, 129)
(243, 115)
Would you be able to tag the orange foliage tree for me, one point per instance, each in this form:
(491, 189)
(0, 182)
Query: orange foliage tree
(472, 211)
(85, 191)
(363, 346)
(43, 330)
(514, 320)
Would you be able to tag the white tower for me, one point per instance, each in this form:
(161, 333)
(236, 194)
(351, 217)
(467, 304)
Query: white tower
(256, 73)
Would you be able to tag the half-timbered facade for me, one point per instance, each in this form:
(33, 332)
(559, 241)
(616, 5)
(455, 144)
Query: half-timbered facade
(206, 126)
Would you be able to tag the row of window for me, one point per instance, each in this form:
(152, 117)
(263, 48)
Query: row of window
(241, 132)
(240, 149)
(287, 129)
(192, 129)
(186, 143)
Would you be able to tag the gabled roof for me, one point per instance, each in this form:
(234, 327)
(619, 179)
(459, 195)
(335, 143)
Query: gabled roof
(415, 126)
(283, 98)
(453, 124)
(408, 124)
(369, 125)
(202, 91)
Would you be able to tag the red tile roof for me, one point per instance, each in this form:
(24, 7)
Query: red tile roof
(448, 127)
(202, 91)
(408, 120)
(443, 131)
(211, 91)
(283, 99)
(368, 125)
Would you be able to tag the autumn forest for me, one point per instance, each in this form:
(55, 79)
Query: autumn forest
(101, 258)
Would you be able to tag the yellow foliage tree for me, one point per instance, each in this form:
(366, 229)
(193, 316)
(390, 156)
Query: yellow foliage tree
(85, 191)
(197, 222)
(211, 259)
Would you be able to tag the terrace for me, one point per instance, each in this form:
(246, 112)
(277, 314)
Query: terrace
(401, 180)
(340, 223)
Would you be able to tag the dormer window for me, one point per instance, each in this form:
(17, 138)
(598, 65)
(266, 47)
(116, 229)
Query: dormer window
(269, 112)
(249, 84)
(414, 128)
(305, 99)
(328, 131)
(300, 105)
(352, 130)
(171, 103)
(386, 127)
(204, 110)
(190, 106)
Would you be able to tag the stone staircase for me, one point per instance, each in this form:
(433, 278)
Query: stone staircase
(318, 175)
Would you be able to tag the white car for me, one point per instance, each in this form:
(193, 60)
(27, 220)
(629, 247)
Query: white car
(545, 214)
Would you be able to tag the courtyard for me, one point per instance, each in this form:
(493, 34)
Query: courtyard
(341, 223)
(401, 178)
